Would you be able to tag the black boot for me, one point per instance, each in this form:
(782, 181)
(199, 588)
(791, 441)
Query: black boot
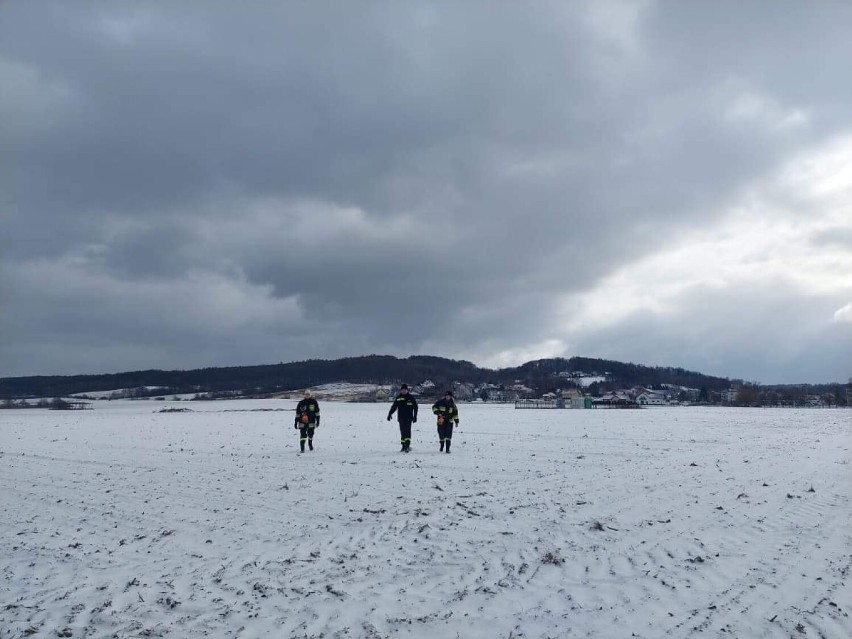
(442, 445)
(402, 448)
(448, 445)
(310, 444)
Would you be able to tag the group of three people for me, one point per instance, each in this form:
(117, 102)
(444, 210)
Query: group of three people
(405, 407)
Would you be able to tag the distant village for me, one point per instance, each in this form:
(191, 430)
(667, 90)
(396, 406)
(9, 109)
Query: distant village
(582, 392)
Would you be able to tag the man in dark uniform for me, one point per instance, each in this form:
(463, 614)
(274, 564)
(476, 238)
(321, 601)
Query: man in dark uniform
(448, 415)
(307, 420)
(405, 407)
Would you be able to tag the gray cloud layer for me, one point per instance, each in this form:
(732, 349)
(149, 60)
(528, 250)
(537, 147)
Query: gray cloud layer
(205, 184)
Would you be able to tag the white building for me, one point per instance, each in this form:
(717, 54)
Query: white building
(650, 398)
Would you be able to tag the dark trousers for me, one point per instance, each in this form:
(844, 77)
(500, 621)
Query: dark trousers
(445, 431)
(405, 432)
(306, 434)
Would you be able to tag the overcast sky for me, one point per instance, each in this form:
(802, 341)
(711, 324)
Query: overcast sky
(200, 184)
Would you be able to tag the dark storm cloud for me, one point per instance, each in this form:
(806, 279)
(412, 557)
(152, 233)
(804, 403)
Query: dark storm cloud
(394, 172)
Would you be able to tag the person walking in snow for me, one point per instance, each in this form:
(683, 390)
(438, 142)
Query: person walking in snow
(307, 420)
(405, 407)
(448, 415)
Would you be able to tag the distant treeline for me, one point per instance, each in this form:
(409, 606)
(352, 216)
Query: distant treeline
(541, 375)
(619, 375)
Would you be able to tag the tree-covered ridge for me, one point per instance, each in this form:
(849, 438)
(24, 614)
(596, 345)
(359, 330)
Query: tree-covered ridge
(620, 373)
(543, 375)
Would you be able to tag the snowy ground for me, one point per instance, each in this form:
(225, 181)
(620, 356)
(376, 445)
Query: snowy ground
(674, 522)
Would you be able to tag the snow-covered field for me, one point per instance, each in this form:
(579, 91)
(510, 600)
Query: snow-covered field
(124, 521)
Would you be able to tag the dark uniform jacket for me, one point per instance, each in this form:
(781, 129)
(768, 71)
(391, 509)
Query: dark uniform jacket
(309, 407)
(405, 407)
(447, 409)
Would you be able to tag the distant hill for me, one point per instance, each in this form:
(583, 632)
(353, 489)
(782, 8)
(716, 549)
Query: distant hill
(541, 375)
